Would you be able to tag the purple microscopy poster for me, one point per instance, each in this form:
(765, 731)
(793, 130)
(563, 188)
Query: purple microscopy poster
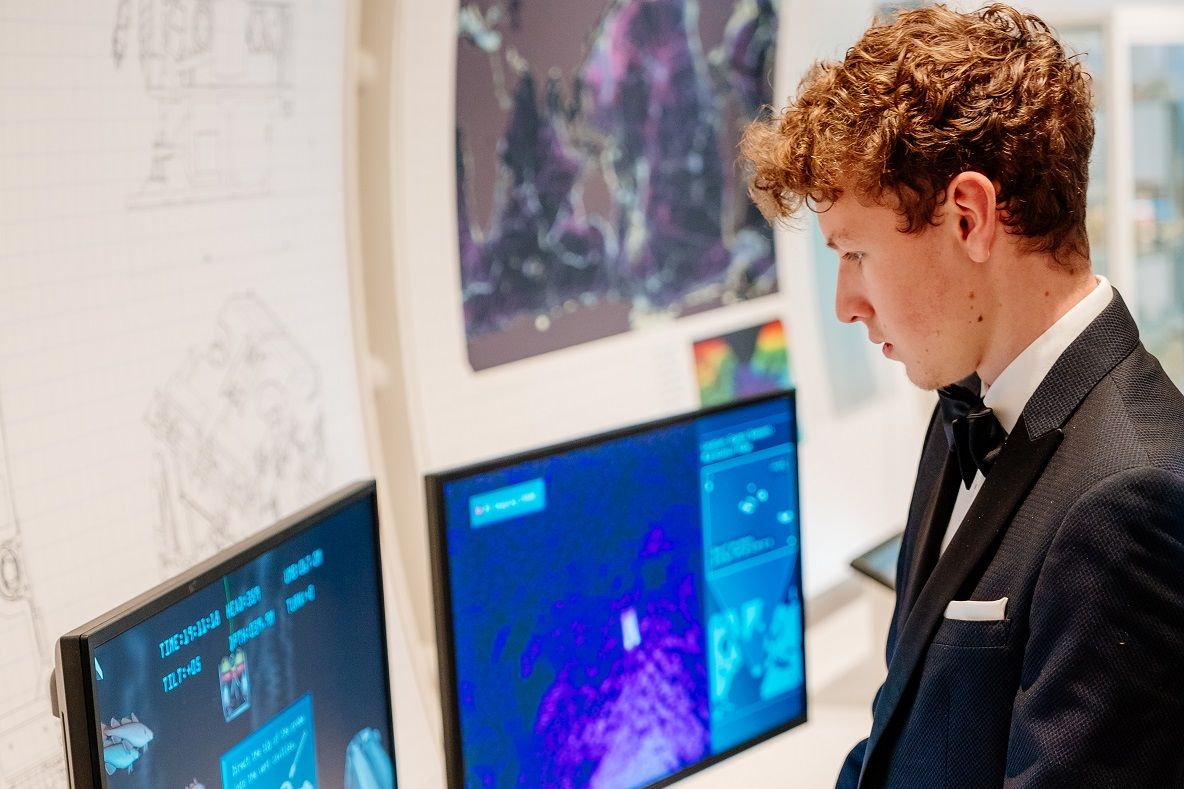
(598, 188)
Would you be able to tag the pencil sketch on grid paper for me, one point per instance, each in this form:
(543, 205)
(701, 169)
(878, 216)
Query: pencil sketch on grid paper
(30, 749)
(218, 74)
(239, 435)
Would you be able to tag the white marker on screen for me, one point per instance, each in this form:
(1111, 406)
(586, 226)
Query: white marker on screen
(630, 630)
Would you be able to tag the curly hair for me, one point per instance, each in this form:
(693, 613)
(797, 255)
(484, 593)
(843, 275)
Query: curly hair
(930, 95)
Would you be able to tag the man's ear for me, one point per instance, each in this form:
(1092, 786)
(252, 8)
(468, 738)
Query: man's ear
(970, 206)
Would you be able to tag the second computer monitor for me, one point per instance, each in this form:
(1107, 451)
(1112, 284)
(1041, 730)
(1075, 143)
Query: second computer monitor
(622, 610)
(265, 667)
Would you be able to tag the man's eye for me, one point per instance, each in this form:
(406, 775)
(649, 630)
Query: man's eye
(853, 257)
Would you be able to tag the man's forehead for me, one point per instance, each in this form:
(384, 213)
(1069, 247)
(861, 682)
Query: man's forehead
(835, 221)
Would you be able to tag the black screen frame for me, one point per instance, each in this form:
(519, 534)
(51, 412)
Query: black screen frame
(442, 578)
(75, 650)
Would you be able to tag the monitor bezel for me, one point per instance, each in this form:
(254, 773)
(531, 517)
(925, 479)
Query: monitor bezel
(442, 578)
(75, 650)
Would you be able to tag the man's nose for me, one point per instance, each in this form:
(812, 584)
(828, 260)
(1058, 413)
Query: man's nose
(850, 303)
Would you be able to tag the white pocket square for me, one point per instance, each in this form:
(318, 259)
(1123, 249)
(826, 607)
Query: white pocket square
(977, 610)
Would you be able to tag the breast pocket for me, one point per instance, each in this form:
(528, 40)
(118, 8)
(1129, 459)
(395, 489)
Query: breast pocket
(959, 633)
(980, 674)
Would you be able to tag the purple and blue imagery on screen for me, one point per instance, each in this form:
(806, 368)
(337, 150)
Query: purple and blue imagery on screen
(580, 584)
(638, 718)
(596, 180)
(599, 661)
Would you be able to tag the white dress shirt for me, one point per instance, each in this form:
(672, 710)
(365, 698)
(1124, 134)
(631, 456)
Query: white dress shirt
(1018, 381)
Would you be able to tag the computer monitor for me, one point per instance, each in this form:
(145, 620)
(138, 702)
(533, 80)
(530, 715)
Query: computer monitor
(622, 610)
(265, 666)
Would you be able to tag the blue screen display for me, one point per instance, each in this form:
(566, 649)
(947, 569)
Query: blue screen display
(626, 609)
(274, 676)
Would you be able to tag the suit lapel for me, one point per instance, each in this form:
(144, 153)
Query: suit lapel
(929, 511)
(928, 531)
(1017, 469)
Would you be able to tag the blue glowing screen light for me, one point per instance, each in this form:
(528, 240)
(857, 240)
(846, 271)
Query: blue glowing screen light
(622, 610)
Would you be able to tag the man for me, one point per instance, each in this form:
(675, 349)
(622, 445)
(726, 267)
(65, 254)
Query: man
(1038, 636)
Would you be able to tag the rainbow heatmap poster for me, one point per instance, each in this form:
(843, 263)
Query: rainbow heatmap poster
(743, 363)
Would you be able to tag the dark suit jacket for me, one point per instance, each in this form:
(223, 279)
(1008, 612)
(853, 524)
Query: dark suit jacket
(1080, 524)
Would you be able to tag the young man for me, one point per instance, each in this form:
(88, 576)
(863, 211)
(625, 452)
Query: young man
(1038, 637)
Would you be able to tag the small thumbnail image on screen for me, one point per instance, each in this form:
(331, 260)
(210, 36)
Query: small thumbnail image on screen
(235, 684)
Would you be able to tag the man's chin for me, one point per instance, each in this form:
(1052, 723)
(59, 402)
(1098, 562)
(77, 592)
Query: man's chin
(923, 379)
(932, 380)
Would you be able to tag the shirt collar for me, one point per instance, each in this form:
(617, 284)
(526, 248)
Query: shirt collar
(1018, 381)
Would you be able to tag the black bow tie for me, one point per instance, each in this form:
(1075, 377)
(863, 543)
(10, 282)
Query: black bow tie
(972, 430)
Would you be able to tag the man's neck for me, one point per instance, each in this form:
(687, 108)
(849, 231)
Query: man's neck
(1033, 294)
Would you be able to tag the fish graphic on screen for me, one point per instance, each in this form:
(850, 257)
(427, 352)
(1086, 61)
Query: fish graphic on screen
(124, 742)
